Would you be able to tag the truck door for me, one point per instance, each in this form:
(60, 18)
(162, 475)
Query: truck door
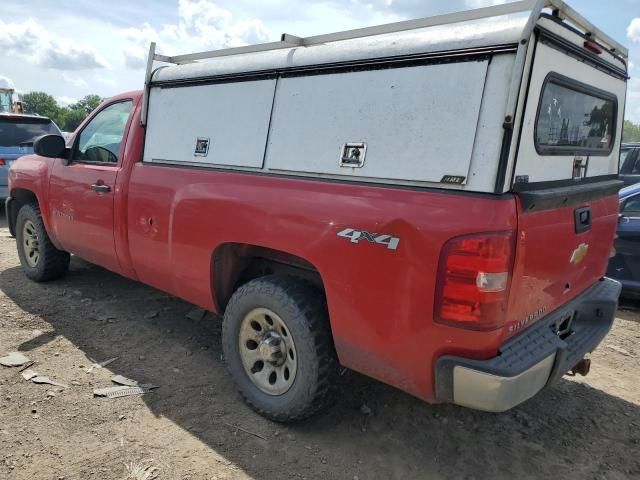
(81, 194)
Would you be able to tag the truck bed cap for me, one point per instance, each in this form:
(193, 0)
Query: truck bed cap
(461, 36)
(498, 25)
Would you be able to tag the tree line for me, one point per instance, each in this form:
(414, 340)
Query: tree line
(66, 117)
(630, 131)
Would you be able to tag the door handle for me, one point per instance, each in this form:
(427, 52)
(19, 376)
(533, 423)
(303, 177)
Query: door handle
(582, 219)
(100, 188)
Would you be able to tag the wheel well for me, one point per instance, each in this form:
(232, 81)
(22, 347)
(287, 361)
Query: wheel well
(19, 197)
(234, 264)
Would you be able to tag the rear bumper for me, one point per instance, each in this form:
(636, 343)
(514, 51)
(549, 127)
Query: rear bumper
(535, 358)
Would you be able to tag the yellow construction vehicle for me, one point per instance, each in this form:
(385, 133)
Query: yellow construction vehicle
(9, 101)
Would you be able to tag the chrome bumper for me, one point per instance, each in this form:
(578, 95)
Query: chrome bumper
(535, 358)
(492, 393)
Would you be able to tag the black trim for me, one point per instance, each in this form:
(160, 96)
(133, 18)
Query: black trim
(346, 181)
(563, 195)
(273, 104)
(582, 52)
(526, 187)
(507, 138)
(400, 61)
(582, 219)
(571, 84)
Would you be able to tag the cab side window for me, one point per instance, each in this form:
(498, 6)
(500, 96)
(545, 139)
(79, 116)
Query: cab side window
(631, 207)
(630, 160)
(100, 139)
(635, 168)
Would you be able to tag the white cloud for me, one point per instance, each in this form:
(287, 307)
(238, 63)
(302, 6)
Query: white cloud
(135, 57)
(6, 82)
(482, 3)
(31, 41)
(110, 82)
(65, 101)
(75, 81)
(202, 24)
(633, 30)
(632, 110)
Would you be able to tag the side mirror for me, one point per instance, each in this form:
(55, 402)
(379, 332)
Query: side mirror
(52, 146)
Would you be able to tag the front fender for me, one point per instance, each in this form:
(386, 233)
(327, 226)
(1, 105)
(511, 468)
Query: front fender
(28, 182)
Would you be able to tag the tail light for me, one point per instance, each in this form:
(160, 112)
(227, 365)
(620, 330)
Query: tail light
(593, 47)
(473, 281)
(2, 162)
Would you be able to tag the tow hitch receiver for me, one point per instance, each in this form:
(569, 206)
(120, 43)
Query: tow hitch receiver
(582, 367)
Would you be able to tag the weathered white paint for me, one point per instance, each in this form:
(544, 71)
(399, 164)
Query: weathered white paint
(234, 116)
(419, 123)
(489, 133)
(554, 167)
(475, 34)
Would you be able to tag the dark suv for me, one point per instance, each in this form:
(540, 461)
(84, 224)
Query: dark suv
(17, 133)
(630, 163)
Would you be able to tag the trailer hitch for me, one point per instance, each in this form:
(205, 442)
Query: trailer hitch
(582, 368)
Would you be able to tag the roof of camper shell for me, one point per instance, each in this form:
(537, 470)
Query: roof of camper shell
(442, 38)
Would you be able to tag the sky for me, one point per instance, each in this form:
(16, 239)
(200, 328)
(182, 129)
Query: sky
(72, 48)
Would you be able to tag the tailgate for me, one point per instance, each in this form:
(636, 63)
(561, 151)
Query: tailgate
(560, 251)
(565, 174)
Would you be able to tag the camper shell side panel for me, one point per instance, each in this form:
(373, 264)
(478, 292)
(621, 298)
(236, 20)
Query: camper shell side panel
(438, 122)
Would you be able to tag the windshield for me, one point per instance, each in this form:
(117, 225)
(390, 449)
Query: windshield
(624, 154)
(5, 102)
(15, 131)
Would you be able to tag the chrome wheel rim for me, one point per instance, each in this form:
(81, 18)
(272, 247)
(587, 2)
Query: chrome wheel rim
(267, 351)
(30, 243)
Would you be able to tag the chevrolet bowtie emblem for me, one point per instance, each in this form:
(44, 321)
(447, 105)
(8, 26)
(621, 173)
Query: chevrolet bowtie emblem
(579, 253)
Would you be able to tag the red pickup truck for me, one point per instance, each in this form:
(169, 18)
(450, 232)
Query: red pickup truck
(434, 210)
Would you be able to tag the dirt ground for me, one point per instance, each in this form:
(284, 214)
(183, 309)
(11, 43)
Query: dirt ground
(196, 427)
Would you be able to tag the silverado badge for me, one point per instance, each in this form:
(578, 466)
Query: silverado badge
(579, 253)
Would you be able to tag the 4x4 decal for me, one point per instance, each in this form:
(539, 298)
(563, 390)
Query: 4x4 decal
(380, 238)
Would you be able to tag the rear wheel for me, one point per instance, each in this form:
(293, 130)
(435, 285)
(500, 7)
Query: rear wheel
(278, 347)
(40, 259)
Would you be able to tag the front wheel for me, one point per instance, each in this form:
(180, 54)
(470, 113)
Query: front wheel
(278, 347)
(40, 259)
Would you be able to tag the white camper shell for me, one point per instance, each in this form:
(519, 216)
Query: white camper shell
(486, 100)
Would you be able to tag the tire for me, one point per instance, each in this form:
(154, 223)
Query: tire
(48, 263)
(300, 312)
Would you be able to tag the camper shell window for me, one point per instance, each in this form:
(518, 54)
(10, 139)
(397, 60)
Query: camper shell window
(574, 118)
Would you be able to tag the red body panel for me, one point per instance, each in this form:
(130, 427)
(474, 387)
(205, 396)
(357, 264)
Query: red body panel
(544, 278)
(81, 218)
(380, 301)
(165, 222)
